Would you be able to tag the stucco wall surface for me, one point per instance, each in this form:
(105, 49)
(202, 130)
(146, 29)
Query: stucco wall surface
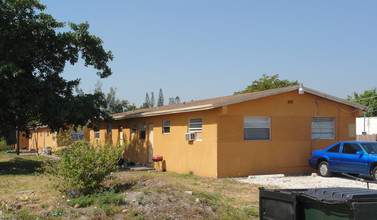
(290, 144)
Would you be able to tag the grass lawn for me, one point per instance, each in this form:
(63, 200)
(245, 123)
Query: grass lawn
(25, 193)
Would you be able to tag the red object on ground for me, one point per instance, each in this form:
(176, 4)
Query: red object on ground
(157, 158)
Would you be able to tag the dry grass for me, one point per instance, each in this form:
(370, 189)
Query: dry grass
(147, 195)
(20, 173)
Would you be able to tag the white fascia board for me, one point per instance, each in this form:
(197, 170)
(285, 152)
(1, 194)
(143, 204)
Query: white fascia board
(256, 96)
(333, 98)
(166, 112)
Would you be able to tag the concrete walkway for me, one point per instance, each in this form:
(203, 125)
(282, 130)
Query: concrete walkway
(136, 168)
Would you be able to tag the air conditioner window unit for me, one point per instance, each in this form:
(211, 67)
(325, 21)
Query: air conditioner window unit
(190, 136)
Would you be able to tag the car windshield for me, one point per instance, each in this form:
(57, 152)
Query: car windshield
(371, 148)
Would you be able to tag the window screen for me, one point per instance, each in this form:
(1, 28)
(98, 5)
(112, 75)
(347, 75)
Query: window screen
(166, 127)
(322, 127)
(195, 125)
(77, 135)
(96, 133)
(257, 128)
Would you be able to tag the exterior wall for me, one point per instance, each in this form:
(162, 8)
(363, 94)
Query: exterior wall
(290, 145)
(181, 156)
(43, 137)
(223, 152)
(24, 142)
(40, 138)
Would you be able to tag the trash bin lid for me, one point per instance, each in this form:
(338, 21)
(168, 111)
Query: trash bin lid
(341, 195)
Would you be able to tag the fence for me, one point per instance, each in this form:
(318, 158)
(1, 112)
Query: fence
(371, 137)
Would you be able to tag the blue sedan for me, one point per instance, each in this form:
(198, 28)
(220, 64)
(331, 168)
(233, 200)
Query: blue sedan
(353, 157)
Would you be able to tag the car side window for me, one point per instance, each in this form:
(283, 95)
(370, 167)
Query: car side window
(350, 148)
(334, 149)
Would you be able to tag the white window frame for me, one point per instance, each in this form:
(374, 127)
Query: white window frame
(96, 134)
(257, 122)
(322, 128)
(190, 129)
(165, 124)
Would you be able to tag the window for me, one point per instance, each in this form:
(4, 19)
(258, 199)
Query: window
(334, 149)
(96, 133)
(323, 128)
(77, 135)
(133, 128)
(166, 127)
(350, 148)
(195, 125)
(142, 131)
(256, 128)
(109, 129)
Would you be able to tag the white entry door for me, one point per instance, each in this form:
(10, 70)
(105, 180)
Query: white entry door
(150, 142)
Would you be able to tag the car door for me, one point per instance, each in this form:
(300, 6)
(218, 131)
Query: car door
(350, 161)
(333, 157)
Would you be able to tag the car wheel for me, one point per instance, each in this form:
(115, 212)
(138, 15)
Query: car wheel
(374, 174)
(323, 169)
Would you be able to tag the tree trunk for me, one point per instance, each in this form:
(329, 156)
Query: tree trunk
(18, 142)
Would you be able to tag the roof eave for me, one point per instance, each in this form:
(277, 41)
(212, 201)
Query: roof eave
(166, 112)
(335, 99)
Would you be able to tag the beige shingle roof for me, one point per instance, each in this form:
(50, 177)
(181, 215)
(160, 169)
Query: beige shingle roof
(222, 101)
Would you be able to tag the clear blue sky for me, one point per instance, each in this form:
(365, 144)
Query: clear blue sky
(198, 49)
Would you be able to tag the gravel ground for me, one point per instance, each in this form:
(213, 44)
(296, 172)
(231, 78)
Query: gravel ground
(303, 182)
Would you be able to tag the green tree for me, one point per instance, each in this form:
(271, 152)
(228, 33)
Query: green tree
(147, 101)
(131, 107)
(152, 100)
(368, 98)
(33, 54)
(160, 101)
(171, 101)
(177, 100)
(267, 82)
(113, 104)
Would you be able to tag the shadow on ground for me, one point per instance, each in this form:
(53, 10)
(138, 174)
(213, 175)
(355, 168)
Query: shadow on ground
(19, 166)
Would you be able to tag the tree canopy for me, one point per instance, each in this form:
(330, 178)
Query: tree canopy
(367, 98)
(267, 82)
(33, 54)
(160, 101)
(112, 103)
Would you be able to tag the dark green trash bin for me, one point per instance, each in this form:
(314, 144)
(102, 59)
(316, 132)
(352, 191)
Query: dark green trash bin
(318, 203)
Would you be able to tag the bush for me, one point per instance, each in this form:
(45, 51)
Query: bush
(82, 167)
(4, 146)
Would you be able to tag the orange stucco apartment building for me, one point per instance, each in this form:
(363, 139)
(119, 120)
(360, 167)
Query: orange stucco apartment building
(267, 132)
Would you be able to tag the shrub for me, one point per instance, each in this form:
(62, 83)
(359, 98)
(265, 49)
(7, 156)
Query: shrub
(82, 167)
(4, 146)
